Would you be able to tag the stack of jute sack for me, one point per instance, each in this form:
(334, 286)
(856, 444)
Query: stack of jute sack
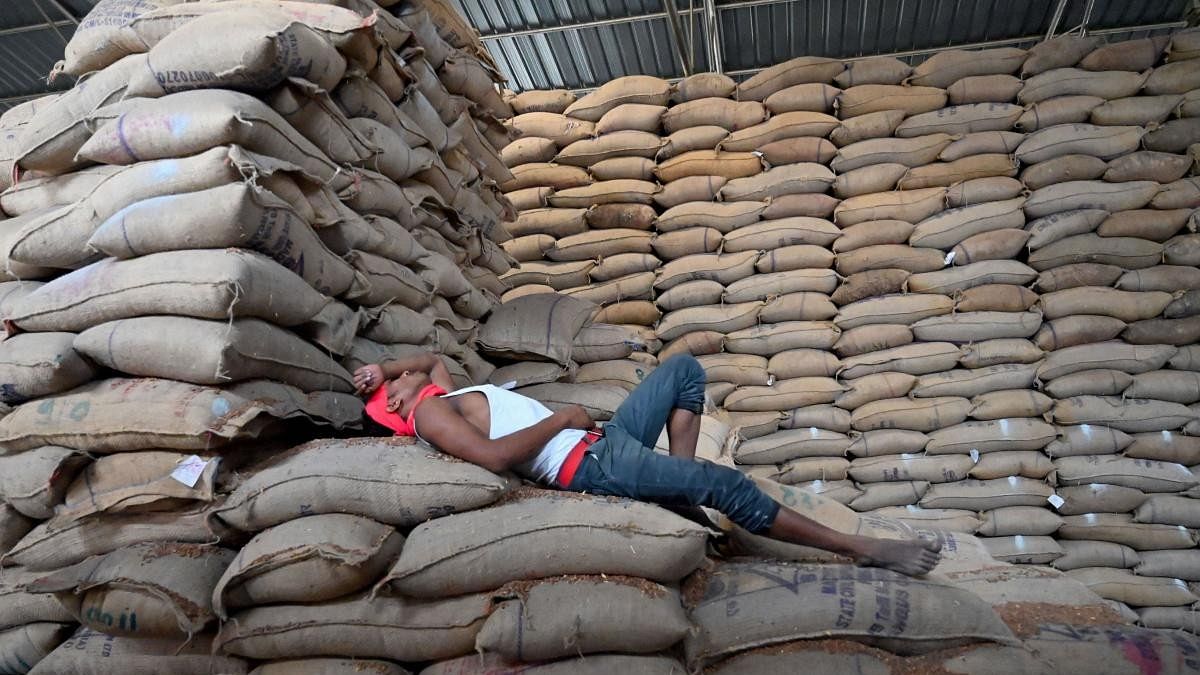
(953, 294)
(383, 554)
(1106, 162)
(201, 244)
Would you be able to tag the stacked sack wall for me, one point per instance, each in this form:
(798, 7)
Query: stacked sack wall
(200, 244)
(958, 294)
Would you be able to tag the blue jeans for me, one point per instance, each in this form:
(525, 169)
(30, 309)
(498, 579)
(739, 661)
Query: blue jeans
(623, 463)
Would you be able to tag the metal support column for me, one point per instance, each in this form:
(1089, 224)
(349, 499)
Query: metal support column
(1057, 18)
(712, 28)
(677, 36)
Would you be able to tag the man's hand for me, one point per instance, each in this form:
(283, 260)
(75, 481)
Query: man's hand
(367, 379)
(576, 417)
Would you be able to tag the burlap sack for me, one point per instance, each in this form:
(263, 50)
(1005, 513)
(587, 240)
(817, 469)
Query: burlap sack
(630, 89)
(983, 495)
(875, 282)
(870, 125)
(987, 169)
(1128, 415)
(773, 338)
(153, 589)
(34, 482)
(893, 309)
(310, 559)
(945, 68)
(763, 623)
(215, 352)
(800, 70)
(1089, 194)
(1030, 464)
(1073, 81)
(873, 387)
(220, 284)
(869, 98)
(118, 415)
(136, 481)
(914, 359)
(969, 327)
(996, 298)
(873, 70)
(393, 628)
(991, 436)
(593, 664)
(1005, 403)
(550, 100)
(319, 666)
(26, 646)
(19, 607)
(982, 142)
(536, 326)
(1139, 474)
(996, 352)
(37, 365)
(36, 194)
(58, 543)
(539, 544)
(559, 618)
(961, 278)
(909, 467)
(265, 50)
(925, 414)
(392, 472)
(59, 238)
(1109, 648)
(233, 215)
(975, 382)
(873, 337)
(1120, 528)
(948, 228)
(1080, 554)
(886, 442)
(910, 206)
(1169, 509)
(631, 117)
(89, 652)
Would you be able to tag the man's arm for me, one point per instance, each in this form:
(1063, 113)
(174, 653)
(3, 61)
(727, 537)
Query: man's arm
(449, 432)
(371, 377)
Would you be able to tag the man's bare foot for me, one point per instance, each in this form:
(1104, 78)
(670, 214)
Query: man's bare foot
(914, 557)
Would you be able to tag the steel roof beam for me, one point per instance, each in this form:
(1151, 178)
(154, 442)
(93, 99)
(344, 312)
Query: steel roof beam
(599, 23)
(18, 30)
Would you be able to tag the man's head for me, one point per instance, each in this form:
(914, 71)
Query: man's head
(402, 391)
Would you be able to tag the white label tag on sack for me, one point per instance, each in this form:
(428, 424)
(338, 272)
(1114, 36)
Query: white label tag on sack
(974, 455)
(1056, 501)
(189, 470)
(511, 384)
(949, 258)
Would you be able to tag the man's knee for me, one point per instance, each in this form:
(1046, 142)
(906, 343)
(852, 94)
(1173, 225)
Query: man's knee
(687, 370)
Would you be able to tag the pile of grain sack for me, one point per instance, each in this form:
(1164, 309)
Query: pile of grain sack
(964, 295)
(200, 241)
(380, 555)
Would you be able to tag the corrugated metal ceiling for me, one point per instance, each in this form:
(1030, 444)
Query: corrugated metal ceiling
(580, 44)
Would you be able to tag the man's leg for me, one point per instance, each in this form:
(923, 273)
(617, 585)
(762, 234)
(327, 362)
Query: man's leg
(621, 467)
(672, 396)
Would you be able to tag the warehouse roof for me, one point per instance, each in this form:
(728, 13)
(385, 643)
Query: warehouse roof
(580, 44)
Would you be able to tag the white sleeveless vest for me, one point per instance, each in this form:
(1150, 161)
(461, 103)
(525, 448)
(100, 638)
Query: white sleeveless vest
(512, 412)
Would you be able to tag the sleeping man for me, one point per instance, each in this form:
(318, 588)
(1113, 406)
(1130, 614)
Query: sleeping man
(501, 430)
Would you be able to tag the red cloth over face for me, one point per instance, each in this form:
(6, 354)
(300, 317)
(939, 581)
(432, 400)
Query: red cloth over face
(377, 409)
